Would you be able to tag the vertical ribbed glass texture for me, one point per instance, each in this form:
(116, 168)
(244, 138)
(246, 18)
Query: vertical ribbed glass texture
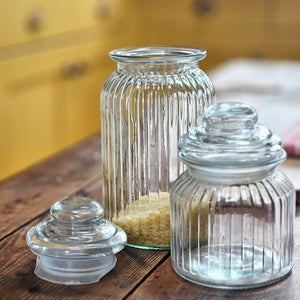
(232, 211)
(156, 95)
(232, 236)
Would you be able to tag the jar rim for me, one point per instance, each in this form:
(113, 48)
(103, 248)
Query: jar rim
(158, 54)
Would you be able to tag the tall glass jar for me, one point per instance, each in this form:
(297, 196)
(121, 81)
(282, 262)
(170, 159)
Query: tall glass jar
(232, 210)
(156, 95)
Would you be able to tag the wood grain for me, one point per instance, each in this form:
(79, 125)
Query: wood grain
(164, 283)
(139, 274)
(30, 193)
(17, 280)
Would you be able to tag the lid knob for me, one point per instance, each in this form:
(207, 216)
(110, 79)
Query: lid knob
(229, 116)
(76, 210)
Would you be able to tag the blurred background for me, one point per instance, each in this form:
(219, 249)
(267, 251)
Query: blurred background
(54, 60)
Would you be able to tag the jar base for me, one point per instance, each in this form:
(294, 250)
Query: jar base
(238, 286)
(147, 247)
(235, 267)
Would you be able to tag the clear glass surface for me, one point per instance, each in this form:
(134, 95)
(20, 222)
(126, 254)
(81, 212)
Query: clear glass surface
(232, 211)
(156, 95)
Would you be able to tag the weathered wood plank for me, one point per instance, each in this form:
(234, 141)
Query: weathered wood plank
(165, 284)
(17, 280)
(28, 194)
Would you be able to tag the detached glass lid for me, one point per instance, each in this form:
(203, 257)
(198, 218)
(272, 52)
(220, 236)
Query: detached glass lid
(75, 246)
(229, 138)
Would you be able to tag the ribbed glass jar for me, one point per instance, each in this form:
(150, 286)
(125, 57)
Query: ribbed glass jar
(156, 95)
(232, 211)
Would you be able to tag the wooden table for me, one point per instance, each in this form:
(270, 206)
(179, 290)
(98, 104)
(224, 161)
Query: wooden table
(25, 201)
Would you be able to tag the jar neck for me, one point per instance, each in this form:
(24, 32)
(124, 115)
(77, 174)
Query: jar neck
(157, 68)
(231, 176)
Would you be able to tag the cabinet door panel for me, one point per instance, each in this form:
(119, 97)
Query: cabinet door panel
(48, 102)
(23, 21)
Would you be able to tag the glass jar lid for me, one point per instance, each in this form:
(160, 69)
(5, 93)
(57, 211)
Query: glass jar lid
(76, 245)
(230, 138)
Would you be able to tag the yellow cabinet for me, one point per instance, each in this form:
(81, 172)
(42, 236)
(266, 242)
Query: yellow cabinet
(48, 102)
(23, 21)
(53, 62)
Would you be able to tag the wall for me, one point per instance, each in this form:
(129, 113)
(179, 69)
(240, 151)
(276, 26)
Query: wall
(225, 28)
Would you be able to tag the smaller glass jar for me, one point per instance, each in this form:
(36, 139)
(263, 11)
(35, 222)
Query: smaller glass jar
(232, 211)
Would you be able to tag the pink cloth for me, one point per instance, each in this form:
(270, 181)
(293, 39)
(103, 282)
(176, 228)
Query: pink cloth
(291, 139)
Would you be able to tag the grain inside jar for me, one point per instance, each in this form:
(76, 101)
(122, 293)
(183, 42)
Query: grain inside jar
(147, 221)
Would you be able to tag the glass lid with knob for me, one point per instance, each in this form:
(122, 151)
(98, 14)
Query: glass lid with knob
(75, 246)
(230, 138)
